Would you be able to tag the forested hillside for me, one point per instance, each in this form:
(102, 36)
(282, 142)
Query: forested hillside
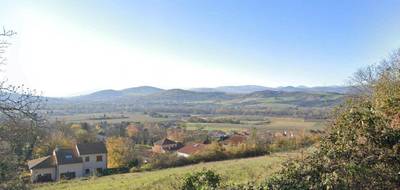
(314, 105)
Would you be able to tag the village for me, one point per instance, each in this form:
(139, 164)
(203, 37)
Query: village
(98, 156)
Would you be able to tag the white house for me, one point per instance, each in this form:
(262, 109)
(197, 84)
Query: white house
(81, 160)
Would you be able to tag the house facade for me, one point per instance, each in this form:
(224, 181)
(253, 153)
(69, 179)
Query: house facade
(81, 160)
(94, 157)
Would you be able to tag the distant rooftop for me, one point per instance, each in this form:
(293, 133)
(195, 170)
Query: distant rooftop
(43, 162)
(192, 148)
(67, 156)
(165, 141)
(91, 148)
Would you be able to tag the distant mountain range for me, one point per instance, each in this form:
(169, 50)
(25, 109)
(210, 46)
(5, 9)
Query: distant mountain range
(310, 102)
(148, 94)
(245, 89)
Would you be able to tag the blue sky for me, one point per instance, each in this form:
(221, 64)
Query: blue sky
(68, 47)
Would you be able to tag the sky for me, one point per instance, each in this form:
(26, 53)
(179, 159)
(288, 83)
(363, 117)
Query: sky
(72, 47)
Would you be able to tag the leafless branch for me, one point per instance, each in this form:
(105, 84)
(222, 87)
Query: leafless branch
(17, 102)
(365, 79)
(4, 44)
(7, 33)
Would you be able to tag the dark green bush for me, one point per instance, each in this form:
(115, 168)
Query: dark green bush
(203, 180)
(111, 171)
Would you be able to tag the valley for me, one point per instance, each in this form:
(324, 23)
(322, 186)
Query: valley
(308, 104)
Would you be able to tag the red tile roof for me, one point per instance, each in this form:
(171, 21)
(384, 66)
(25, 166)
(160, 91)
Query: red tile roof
(192, 148)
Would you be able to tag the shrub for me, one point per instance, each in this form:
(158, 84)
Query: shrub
(134, 170)
(362, 148)
(146, 167)
(167, 160)
(133, 163)
(111, 171)
(203, 180)
(246, 186)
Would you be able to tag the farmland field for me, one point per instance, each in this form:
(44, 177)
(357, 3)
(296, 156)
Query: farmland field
(246, 121)
(276, 124)
(138, 117)
(237, 171)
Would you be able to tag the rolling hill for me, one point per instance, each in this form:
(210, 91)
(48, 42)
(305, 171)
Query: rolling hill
(141, 90)
(305, 103)
(113, 95)
(304, 99)
(246, 89)
(224, 92)
(178, 95)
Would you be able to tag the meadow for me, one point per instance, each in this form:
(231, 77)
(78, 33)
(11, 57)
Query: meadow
(246, 121)
(275, 124)
(232, 171)
(128, 117)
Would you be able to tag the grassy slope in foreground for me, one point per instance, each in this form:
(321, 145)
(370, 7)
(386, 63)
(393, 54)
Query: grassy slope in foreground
(232, 171)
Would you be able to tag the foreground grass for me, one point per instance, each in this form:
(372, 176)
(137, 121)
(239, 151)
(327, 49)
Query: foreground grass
(232, 171)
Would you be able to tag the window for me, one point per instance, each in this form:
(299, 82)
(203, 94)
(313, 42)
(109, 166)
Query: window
(68, 156)
(87, 159)
(99, 158)
(87, 171)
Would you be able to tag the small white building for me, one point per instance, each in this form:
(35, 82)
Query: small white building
(81, 160)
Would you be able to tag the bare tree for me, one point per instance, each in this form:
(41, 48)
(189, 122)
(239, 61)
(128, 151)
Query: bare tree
(16, 101)
(364, 80)
(19, 119)
(4, 43)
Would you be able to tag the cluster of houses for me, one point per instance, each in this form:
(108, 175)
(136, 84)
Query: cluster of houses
(81, 160)
(91, 158)
(168, 145)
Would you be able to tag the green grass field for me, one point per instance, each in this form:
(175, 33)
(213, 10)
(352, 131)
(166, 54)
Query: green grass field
(137, 117)
(276, 124)
(247, 122)
(232, 171)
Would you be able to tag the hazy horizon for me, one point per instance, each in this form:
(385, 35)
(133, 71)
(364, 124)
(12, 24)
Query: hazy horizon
(66, 48)
(87, 92)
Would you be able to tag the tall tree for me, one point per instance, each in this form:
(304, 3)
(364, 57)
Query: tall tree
(119, 151)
